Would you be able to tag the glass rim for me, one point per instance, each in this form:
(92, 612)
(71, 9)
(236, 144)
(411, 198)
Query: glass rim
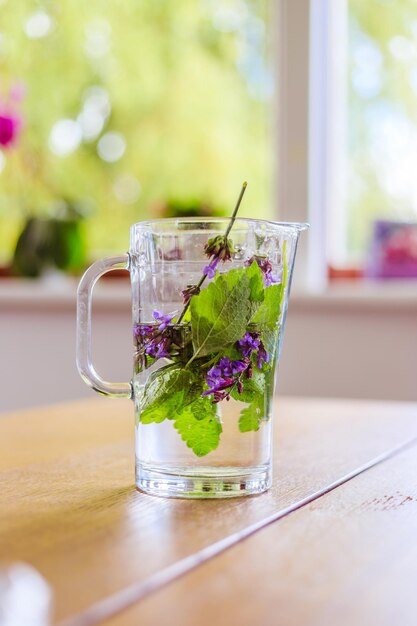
(273, 225)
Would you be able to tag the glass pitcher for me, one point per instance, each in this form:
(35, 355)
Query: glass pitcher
(208, 320)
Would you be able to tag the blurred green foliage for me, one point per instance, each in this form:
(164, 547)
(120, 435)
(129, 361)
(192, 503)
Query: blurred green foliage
(189, 89)
(189, 93)
(56, 242)
(382, 116)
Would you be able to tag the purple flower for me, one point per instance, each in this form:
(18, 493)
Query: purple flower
(210, 269)
(158, 346)
(266, 268)
(214, 377)
(222, 387)
(142, 331)
(249, 343)
(154, 340)
(151, 348)
(219, 381)
(214, 245)
(219, 247)
(218, 396)
(237, 367)
(270, 279)
(224, 365)
(223, 376)
(163, 348)
(189, 292)
(231, 368)
(163, 320)
(263, 356)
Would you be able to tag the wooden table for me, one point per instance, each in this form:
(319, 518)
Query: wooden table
(333, 543)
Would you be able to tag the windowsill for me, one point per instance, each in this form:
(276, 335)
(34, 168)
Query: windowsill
(361, 294)
(60, 293)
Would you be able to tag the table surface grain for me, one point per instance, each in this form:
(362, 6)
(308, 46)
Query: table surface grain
(331, 542)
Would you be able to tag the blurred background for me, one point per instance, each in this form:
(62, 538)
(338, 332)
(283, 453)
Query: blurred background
(111, 113)
(131, 110)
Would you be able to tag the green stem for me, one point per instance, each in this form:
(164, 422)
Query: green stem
(190, 361)
(226, 234)
(185, 309)
(208, 363)
(232, 219)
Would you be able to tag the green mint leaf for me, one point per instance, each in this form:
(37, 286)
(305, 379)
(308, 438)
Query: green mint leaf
(270, 338)
(267, 315)
(202, 408)
(251, 416)
(168, 390)
(256, 285)
(220, 313)
(199, 426)
(187, 316)
(252, 387)
(232, 352)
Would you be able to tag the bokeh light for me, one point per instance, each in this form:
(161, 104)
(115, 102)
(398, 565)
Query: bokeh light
(65, 137)
(111, 147)
(38, 25)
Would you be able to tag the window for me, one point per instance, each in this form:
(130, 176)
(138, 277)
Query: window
(375, 123)
(382, 116)
(127, 106)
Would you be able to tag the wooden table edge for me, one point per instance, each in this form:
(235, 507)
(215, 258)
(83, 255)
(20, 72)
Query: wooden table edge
(121, 600)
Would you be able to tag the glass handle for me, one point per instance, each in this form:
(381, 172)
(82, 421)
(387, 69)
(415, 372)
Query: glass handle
(84, 300)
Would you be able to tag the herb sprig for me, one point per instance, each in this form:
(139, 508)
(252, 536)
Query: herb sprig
(224, 350)
(218, 248)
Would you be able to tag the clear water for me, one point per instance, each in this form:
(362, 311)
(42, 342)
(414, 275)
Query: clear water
(166, 466)
(161, 446)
